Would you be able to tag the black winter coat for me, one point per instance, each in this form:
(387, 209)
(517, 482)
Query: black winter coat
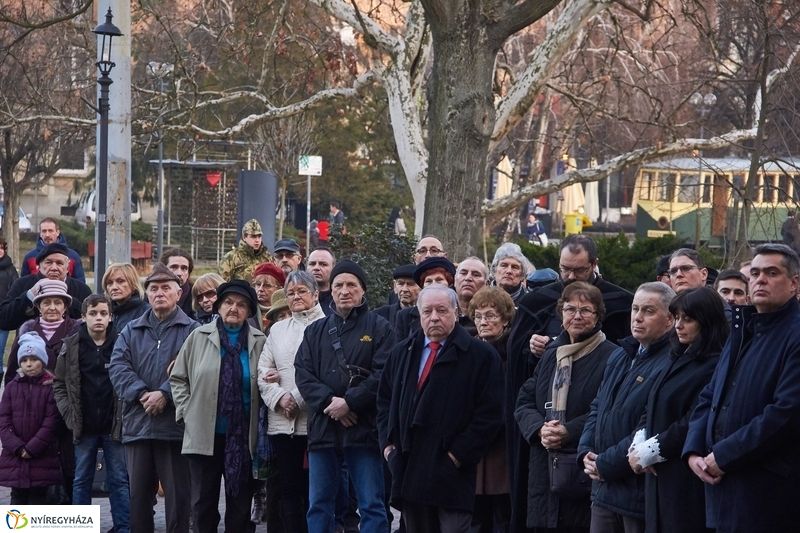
(8, 275)
(406, 323)
(669, 406)
(545, 509)
(389, 311)
(615, 414)
(17, 308)
(536, 314)
(127, 311)
(366, 339)
(456, 411)
(752, 424)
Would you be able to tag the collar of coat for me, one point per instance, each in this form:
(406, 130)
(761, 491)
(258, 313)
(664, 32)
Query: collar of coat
(631, 345)
(211, 331)
(458, 338)
(179, 318)
(744, 315)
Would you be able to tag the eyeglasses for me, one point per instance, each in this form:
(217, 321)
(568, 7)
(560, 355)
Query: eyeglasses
(297, 293)
(682, 268)
(433, 251)
(578, 271)
(265, 285)
(208, 295)
(488, 317)
(582, 311)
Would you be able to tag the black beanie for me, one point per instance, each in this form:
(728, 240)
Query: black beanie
(349, 267)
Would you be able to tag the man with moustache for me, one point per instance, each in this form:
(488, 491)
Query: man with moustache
(287, 255)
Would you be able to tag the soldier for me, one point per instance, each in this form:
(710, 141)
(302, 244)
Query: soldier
(240, 262)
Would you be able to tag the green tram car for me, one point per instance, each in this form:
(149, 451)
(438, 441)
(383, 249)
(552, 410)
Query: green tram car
(701, 198)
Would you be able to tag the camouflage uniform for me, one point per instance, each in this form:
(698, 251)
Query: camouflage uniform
(240, 262)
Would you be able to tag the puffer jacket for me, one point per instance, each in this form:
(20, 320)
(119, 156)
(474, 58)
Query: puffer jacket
(279, 354)
(67, 384)
(366, 339)
(29, 419)
(195, 385)
(143, 353)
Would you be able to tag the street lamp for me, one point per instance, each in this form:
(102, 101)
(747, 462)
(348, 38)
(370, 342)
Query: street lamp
(160, 71)
(703, 103)
(107, 31)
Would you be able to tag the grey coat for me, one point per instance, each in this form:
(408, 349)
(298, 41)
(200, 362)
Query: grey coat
(140, 363)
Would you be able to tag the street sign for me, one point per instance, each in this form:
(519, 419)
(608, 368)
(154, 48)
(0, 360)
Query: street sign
(310, 165)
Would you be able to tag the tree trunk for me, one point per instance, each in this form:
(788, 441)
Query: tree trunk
(462, 116)
(11, 224)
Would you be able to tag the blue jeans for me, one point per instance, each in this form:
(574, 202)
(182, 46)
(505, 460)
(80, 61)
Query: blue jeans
(116, 476)
(365, 467)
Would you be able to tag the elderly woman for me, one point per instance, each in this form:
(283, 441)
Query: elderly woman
(267, 278)
(510, 268)
(492, 310)
(553, 405)
(701, 329)
(122, 286)
(215, 392)
(204, 295)
(288, 417)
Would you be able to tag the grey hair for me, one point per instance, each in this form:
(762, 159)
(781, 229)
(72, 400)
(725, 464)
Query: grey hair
(664, 291)
(479, 260)
(512, 250)
(690, 254)
(790, 258)
(301, 277)
(451, 294)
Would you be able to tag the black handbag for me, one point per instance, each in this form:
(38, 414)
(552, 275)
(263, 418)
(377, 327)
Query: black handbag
(567, 478)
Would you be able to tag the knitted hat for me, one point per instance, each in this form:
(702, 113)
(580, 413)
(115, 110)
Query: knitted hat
(349, 267)
(46, 288)
(277, 304)
(161, 273)
(50, 249)
(430, 263)
(251, 227)
(240, 287)
(32, 345)
(270, 269)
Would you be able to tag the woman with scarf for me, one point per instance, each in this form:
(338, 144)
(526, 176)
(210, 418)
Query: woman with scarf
(674, 496)
(492, 310)
(215, 391)
(553, 405)
(122, 286)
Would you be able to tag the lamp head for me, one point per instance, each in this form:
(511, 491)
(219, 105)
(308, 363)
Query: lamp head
(108, 31)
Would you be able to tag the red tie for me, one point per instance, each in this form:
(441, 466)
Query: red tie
(434, 347)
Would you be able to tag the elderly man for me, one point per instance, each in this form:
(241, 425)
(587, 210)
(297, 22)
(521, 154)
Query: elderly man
(338, 367)
(320, 264)
(732, 286)
(535, 324)
(53, 263)
(742, 438)
(139, 370)
(240, 262)
(182, 265)
(437, 406)
(510, 268)
(50, 233)
(428, 246)
(405, 289)
(687, 270)
(471, 276)
(618, 493)
(287, 255)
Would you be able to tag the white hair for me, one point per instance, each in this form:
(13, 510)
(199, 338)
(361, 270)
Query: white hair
(512, 250)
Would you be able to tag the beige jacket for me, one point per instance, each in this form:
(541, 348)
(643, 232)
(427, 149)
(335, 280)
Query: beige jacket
(195, 384)
(279, 351)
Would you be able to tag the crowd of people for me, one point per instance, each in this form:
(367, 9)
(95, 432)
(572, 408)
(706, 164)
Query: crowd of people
(480, 398)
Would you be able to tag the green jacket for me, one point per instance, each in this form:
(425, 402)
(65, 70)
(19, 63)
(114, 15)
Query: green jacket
(240, 262)
(195, 383)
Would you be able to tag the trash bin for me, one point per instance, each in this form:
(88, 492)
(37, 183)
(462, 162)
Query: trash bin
(573, 224)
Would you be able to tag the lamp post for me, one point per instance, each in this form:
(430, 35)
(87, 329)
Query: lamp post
(703, 103)
(160, 70)
(107, 31)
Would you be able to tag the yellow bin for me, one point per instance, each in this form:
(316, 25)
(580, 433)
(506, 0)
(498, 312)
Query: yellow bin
(573, 223)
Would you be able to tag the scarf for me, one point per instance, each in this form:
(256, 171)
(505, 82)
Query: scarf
(229, 405)
(49, 328)
(566, 355)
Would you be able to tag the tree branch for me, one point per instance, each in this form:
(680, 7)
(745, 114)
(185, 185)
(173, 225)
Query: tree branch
(365, 25)
(521, 16)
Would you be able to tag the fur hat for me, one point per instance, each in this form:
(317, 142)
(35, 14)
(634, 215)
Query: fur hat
(32, 345)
